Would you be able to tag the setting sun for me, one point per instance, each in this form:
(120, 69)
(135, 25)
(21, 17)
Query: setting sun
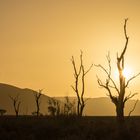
(65, 61)
(127, 72)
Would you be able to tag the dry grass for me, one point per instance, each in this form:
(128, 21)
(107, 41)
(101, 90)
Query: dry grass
(68, 128)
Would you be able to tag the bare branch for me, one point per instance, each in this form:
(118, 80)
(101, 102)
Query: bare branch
(104, 86)
(131, 79)
(73, 62)
(109, 76)
(77, 93)
(129, 96)
(79, 75)
(125, 33)
(109, 64)
(126, 43)
(37, 101)
(111, 86)
(81, 62)
(16, 103)
(115, 87)
(73, 88)
(109, 73)
(133, 108)
(83, 85)
(88, 69)
(85, 101)
(102, 68)
(99, 81)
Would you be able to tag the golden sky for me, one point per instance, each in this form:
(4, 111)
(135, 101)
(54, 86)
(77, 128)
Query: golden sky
(38, 38)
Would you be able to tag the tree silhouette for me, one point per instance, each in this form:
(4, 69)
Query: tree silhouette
(38, 102)
(54, 107)
(16, 104)
(120, 98)
(80, 93)
(69, 107)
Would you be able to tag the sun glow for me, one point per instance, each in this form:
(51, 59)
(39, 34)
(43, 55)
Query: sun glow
(127, 73)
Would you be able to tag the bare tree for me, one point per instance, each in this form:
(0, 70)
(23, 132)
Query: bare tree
(69, 106)
(38, 102)
(80, 93)
(54, 107)
(16, 104)
(120, 98)
(133, 108)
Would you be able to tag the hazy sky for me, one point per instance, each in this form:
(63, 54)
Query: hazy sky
(38, 38)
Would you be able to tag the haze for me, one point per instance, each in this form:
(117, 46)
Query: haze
(38, 38)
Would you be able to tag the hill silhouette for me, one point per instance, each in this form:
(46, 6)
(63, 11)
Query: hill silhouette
(94, 107)
(26, 96)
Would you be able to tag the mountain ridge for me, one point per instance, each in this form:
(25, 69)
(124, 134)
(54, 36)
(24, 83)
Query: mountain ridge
(101, 106)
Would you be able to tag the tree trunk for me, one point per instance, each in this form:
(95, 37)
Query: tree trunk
(81, 109)
(120, 104)
(16, 113)
(120, 112)
(78, 108)
(37, 112)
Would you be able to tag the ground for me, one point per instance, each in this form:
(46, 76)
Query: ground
(68, 128)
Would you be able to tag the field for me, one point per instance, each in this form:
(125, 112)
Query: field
(68, 128)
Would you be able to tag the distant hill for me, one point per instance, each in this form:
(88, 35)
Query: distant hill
(104, 107)
(26, 96)
(94, 106)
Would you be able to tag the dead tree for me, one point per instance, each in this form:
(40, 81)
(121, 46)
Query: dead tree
(133, 108)
(54, 107)
(38, 102)
(120, 98)
(16, 104)
(80, 93)
(69, 107)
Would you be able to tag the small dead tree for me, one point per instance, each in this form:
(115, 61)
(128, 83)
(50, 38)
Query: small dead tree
(80, 93)
(120, 98)
(38, 102)
(16, 104)
(69, 106)
(133, 108)
(54, 107)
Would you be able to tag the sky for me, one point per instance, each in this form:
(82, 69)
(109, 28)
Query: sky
(38, 39)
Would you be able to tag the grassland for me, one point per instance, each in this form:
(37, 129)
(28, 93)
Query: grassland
(68, 128)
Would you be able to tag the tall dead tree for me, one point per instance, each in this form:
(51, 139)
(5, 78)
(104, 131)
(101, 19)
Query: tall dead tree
(16, 104)
(120, 98)
(38, 102)
(80, 93)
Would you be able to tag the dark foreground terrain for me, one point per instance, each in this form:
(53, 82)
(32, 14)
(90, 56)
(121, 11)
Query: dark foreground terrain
(68, 128)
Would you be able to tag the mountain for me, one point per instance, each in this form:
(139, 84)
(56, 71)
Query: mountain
(94, 106)
(26, 96)
(104, 107)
